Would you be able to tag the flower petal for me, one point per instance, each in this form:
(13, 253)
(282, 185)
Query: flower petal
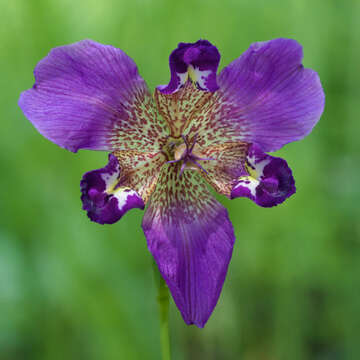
(140, 170)
(191, 238)
(199, 61)
(180, 108)
(270, 181)
(90, 96)
(103, 199)
(225, 168)
(268, 97)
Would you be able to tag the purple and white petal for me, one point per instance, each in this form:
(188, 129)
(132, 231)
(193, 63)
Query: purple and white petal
(267, 97)
(90, 96)
(191, 238)
(199, 61)
(270, 181)
(104, 199)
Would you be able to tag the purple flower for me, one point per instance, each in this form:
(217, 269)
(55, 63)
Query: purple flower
(200, 128)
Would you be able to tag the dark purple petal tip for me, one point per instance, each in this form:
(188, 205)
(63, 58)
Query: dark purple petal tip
(199, 61)
(270, 181)
(102, 198)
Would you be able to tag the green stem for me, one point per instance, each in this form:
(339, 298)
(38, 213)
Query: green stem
(163, 301)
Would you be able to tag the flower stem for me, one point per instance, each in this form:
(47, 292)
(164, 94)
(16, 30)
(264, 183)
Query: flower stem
(163, 301)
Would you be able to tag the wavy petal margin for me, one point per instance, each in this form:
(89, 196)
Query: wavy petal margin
(270, 181)
(103, 199)
(269, 98)
(199, 61)
(191, 238)
(90, 96)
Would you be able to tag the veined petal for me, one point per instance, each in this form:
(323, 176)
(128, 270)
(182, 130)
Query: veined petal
(140, 170)
(269, 181)
(209, 119)
(180, 108)
(226, 166)
(191, 238)
(199, 61)
(104, 199)
(90, 96)
(267, 96)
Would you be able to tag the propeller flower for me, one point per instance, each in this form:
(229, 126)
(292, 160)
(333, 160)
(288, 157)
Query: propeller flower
(201, 128)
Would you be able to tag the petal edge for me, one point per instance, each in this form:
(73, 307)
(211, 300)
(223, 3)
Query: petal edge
(191, 238)
(199, 61)
(103, 200)
(90, 96)
(274, 100)
(270, 181)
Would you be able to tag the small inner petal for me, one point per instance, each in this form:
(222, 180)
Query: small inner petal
(269, 181)
(199, 61)
(103, 199)
(270, 184)
(191, 54)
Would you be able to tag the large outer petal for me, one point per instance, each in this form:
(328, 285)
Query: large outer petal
(269, 181)
(266, 97)
(191, 238)
(90, 96)
(273, 99)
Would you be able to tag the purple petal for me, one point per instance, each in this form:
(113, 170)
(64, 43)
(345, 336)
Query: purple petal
(270, 181)
(199, 60)
(103, 199)
(270, 98)
(90, 96)
(191, 238)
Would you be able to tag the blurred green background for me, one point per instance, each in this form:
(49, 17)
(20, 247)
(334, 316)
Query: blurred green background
(72, 289)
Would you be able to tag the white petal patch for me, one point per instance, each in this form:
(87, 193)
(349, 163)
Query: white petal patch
(198, 75)
(110, 179)
(123, 195)
(256, 170)
(249, 183)
(182, 77)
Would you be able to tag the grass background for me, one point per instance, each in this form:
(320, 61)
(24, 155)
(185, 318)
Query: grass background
(72, 289)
